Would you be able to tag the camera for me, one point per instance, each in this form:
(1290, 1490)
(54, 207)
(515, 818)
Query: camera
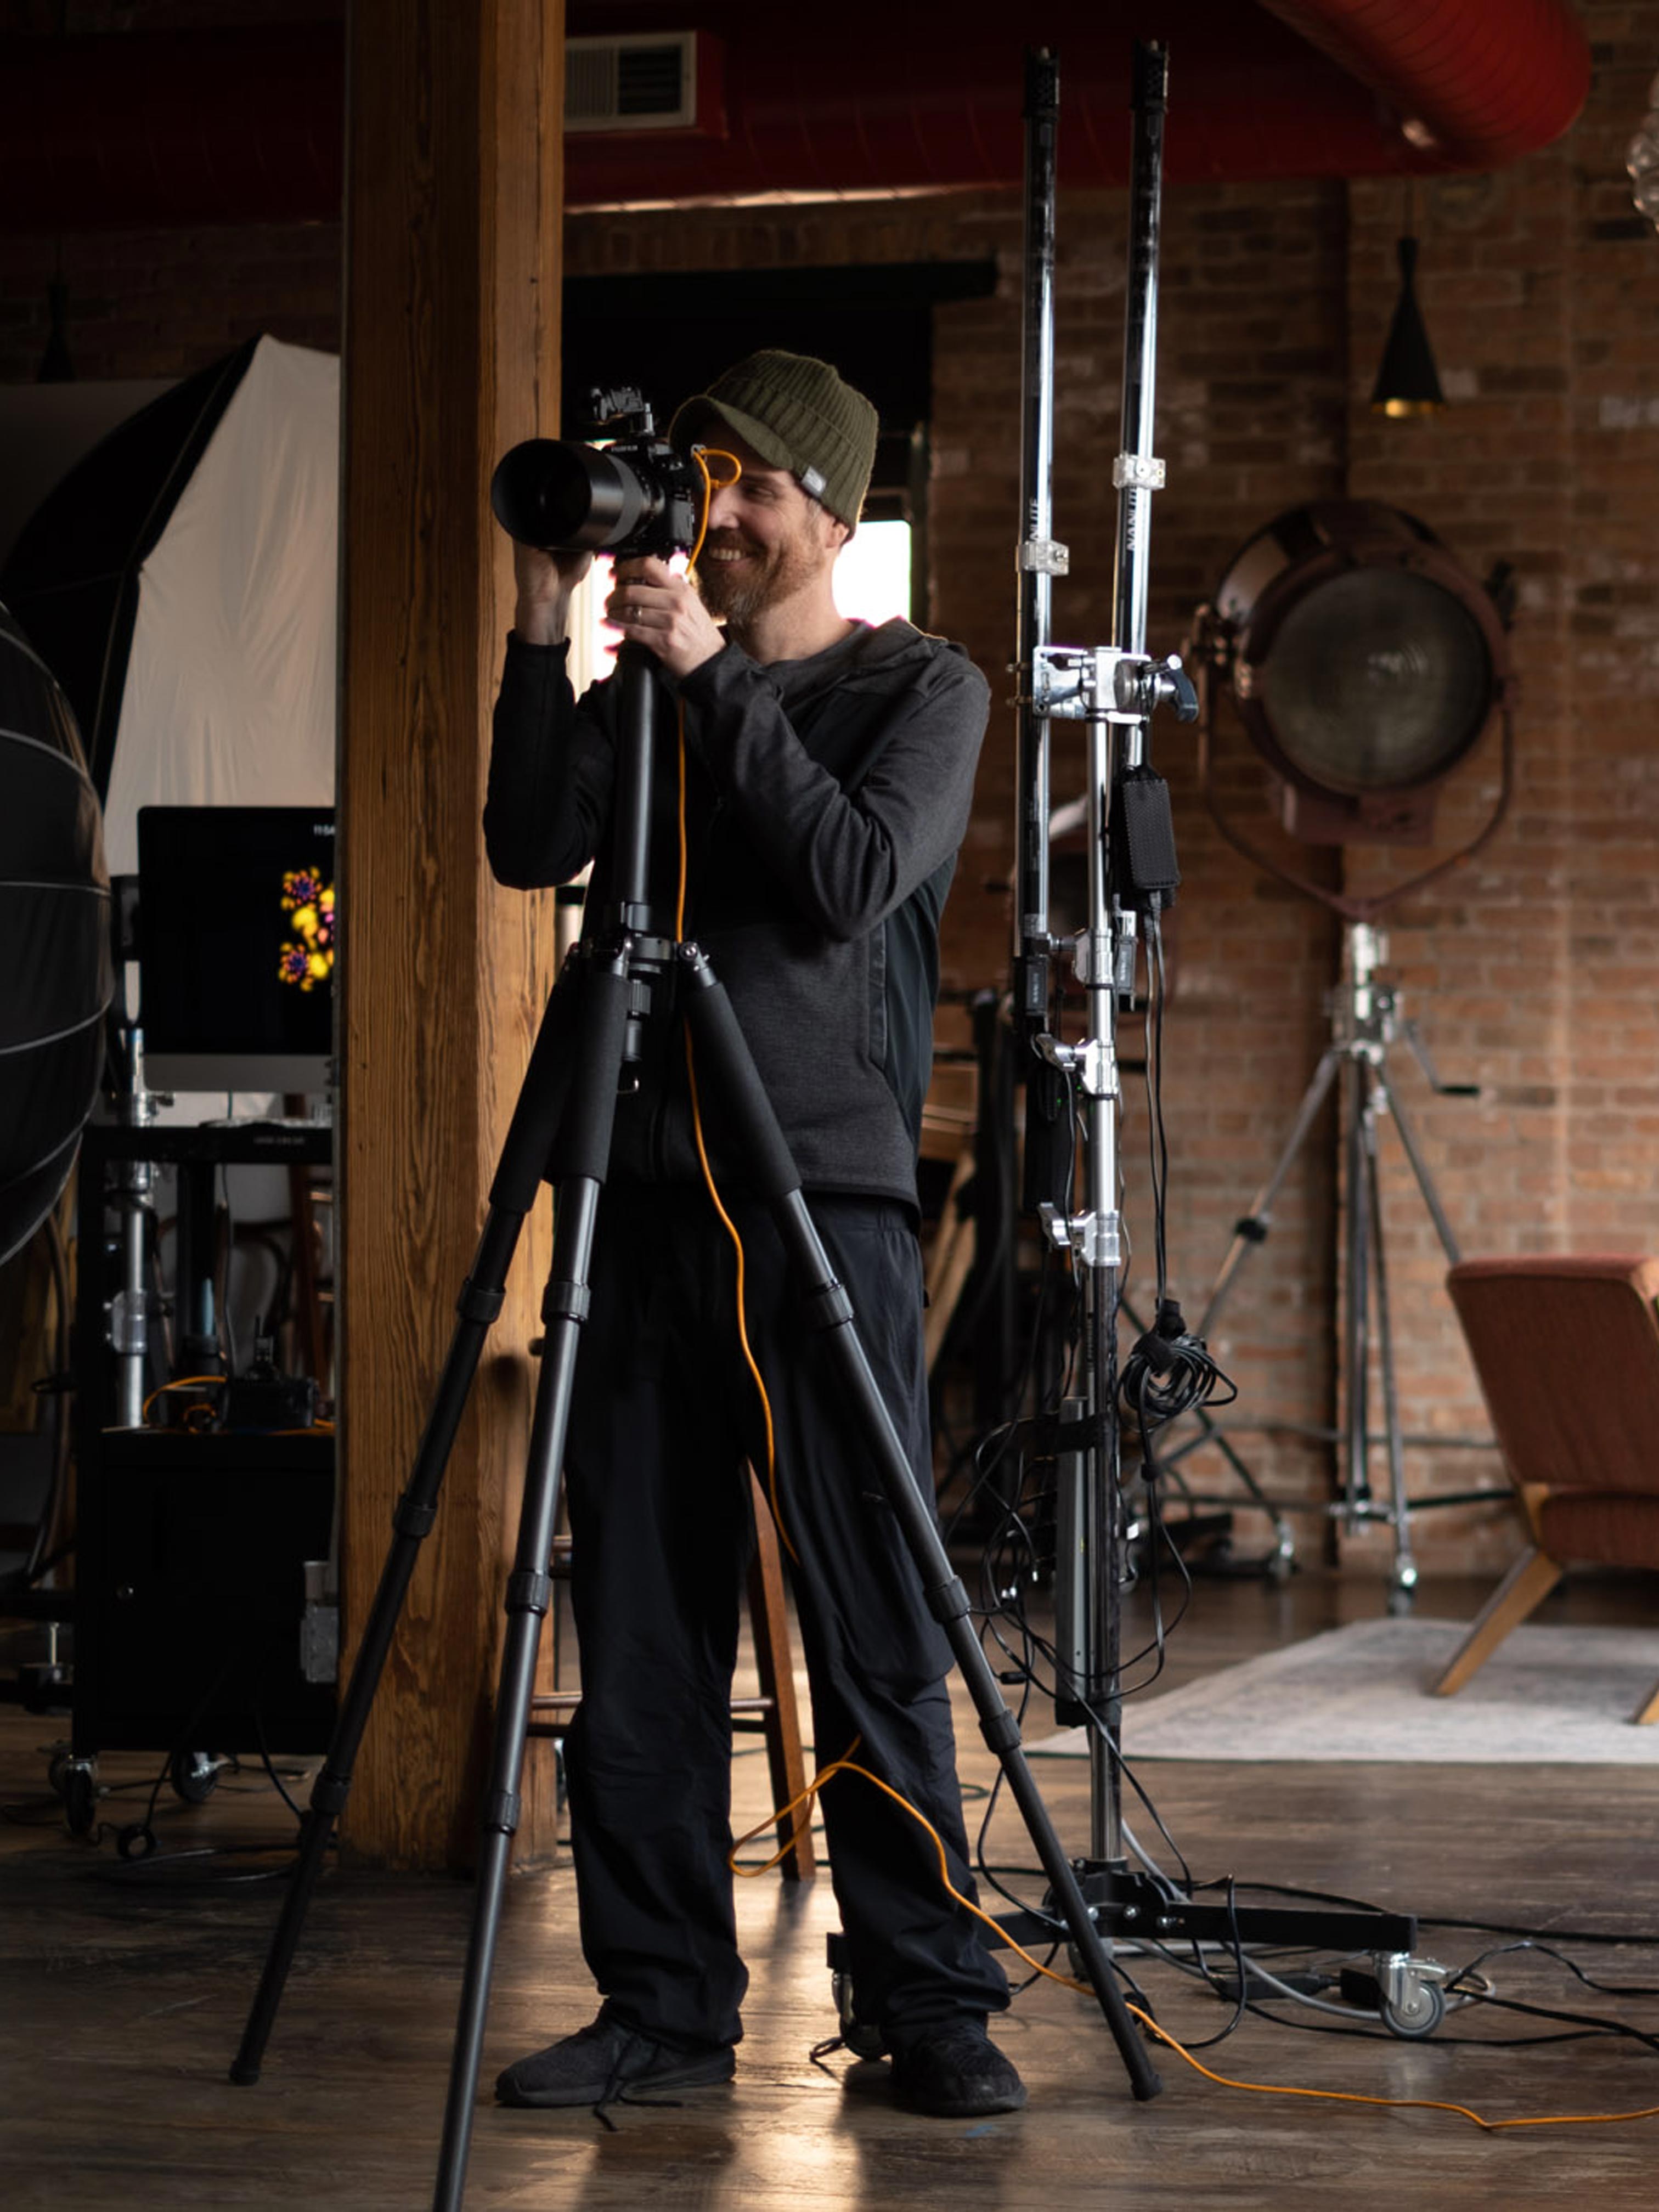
(634, 496)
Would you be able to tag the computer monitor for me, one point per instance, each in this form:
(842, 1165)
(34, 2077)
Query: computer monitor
(236, 947)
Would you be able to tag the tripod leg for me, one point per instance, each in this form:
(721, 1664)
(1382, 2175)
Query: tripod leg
(584, 1150)
(1252, 1229)
(518, 1175)
(1405, 1565)
(772, 1172)
(1357, 1335)
(1419, 1169)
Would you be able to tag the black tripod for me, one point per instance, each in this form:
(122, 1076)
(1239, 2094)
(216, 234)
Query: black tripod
(563, 1126)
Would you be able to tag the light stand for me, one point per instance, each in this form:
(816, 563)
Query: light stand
(1366, 1019)
(1114, 691)
(1055, 683)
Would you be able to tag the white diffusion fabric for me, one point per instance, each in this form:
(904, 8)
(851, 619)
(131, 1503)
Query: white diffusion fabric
(230, 694)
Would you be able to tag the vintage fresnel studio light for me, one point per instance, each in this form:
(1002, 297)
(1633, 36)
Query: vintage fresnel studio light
(1365, 663)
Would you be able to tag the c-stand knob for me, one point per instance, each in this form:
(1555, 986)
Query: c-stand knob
(1142, 686)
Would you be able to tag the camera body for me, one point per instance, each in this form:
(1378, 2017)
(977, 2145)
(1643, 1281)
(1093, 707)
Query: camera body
(634, 497)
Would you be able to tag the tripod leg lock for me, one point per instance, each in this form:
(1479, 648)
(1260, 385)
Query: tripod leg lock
(1000, 1732)
(480, 1303)
(829, 1306)
(328, 1795)
(500, 1813)
(529, 1591)
(948, 1602)
(414, 1516)
(566, 1301)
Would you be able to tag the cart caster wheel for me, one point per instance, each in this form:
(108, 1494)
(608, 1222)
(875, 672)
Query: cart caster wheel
(1281, 1567)
(57, 1767)
(194, 1776)
(1419, 2016)
(1402, 1598)
(136, 1840)
(80, 1790)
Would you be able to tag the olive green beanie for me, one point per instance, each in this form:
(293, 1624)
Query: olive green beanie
(799, 415)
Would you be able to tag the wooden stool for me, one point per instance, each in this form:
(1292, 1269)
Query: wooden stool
(773, 1714)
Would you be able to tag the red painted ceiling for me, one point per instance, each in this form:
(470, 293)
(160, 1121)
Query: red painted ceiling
(242, 124)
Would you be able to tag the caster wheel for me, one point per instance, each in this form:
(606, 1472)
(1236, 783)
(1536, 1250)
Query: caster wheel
(57, 1773)
(136, 1841)
(194, 1776)
(1401, 1600)
(1418, 2018)
(80, 1788)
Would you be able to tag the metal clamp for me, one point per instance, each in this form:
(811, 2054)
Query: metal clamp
(1092, 1060)
(1096, 1238)
(1099, 683)
(1137, 472)
(1078, 684)
(1045, 556)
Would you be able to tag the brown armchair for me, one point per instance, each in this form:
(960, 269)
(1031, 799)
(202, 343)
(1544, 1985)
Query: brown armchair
(1567, 1352)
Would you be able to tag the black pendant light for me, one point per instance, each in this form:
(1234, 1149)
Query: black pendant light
(1407, 382)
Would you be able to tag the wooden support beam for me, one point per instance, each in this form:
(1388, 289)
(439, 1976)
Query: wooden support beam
(453, 268)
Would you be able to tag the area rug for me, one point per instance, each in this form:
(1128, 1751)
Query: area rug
(1560, 1695)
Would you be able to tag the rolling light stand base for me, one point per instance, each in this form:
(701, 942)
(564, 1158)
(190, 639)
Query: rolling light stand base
(1126, 1907)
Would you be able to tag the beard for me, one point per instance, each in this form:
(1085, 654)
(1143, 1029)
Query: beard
(736, 593)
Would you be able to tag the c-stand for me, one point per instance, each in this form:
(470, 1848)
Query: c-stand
(565, 1129)
(1366, 1018)
(1132, 873)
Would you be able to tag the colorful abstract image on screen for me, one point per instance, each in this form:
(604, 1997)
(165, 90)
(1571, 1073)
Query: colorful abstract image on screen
(307, 959)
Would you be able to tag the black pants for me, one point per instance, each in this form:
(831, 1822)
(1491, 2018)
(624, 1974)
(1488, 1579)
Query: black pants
(663, 1416)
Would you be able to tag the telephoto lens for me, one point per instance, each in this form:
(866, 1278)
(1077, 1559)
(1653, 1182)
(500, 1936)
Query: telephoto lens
(630, 498)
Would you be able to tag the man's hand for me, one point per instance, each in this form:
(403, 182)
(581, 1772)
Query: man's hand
(545, 581)
(654, 607)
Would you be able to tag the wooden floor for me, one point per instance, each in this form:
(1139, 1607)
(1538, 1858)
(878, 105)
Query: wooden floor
(122, 1993)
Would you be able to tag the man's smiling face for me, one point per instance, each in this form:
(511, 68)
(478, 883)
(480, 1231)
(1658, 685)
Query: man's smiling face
(767, 540)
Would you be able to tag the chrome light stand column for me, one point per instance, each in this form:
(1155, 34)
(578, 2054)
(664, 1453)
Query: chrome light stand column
(1113, 691)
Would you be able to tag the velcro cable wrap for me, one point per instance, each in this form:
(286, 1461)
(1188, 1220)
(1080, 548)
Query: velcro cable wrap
(1145, 872)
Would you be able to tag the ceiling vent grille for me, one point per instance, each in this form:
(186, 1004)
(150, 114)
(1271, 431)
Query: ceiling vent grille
(637, 80)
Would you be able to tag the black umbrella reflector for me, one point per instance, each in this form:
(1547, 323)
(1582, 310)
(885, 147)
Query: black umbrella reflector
(56, 975)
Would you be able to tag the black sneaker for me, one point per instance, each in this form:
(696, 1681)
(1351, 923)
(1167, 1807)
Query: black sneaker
(956, 2072)
(604, 2064)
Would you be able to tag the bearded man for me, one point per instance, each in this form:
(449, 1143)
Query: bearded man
(829, 770)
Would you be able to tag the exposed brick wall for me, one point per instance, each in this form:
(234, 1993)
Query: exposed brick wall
(1531, 970)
